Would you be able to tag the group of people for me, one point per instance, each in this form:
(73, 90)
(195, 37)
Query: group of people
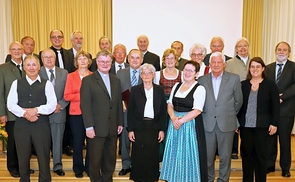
(193, 108)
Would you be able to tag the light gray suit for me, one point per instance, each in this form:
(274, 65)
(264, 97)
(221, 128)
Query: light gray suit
(220, 122)
(125, 78)
(57, 120)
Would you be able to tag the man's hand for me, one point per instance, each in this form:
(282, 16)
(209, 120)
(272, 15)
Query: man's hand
(131, 136)
(31, 114)
(272, 129)
(58, 108)
(3, 119)
(120, 129)
(90, 133)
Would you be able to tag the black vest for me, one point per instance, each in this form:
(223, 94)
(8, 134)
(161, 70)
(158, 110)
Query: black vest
(184, 104)
(30, 96)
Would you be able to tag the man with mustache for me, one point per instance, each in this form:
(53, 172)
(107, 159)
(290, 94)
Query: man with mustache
(282, 71)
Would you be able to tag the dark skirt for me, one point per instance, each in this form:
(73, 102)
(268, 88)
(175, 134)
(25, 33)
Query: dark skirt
(145, 154)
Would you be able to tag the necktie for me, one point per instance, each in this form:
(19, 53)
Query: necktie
(134, 79)
(20, 71)
(120, 67)
(52, 79)
(279, 73)
(60, 61)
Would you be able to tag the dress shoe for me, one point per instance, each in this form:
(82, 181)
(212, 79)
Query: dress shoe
(124, 172)
(234, 156)
(68, 151)
(79, 175)
(60, 172)
(14, 174)
(286, 174)
(32, 171)
(270, 169)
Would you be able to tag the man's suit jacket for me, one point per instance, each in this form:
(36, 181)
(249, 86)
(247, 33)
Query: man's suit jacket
(113, 69)
(72, 51)
(137, 104)
(222, 111)
(153, 59)
(99, 110)
(286, 86)
(237, 66)
(59, 87)
(67, 57)
(8, 73)
(207, 57)
(125, 79)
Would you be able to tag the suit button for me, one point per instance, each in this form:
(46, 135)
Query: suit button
(214, 116)
(110, 107)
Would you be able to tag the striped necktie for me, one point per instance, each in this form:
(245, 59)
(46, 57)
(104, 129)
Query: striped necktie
(52, 79)
(134, 79)
(279, 73)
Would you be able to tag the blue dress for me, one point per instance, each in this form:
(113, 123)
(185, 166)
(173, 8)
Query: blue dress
(182, 160)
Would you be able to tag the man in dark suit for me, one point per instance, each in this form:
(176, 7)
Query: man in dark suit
(31, 99)
(58, 78)
(102, 112)
(125, 76)
(104, 43)
(119, 57)
(282, 71)
(216, 45)
(9, 72)
(64, 58)
(223, 101)
(148, 57)
(29, 46)
(178, 46)
(77, 42)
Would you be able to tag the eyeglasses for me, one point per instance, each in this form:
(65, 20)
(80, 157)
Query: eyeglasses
(16, 49)
(146, 72)
(216, 46)
(105, 62)
(47, 57)
(242, 46)
(189, 70)
(196, 55)
(57, 37)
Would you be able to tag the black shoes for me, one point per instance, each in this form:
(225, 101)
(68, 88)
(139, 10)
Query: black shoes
(68, 151)
(124, 172)
(286, 174)
(79, 175)
(60, 172)
(14, 174)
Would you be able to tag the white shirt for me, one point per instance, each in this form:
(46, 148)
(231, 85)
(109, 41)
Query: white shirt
(202, 69)
(149, 105)
(45, 109)
(199, 95)
(158, 76)
(216, 84)
(49, 73)
(117, 66)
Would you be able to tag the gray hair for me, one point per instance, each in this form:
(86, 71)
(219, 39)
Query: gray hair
(147, 66)
(200, 47)
(217, 54)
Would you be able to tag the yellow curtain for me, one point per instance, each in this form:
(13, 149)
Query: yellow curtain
(252, 25)
(38, 17)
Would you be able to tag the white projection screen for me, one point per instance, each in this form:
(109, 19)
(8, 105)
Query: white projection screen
(190, 21)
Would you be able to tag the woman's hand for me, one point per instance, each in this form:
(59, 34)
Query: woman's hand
(131, 136)
(177, 123)
(161, 136)
(272, 129)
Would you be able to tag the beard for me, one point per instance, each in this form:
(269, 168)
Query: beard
(281, 57)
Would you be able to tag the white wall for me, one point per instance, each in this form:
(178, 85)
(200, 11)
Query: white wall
(190, 21)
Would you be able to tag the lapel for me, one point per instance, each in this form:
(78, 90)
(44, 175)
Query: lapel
(101, 83)
(15, 70)
(43, 73)
(223, 83)
(210, 85)
(286, 70)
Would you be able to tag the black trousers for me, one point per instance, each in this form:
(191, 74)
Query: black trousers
(254, 142)
(12, 160)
